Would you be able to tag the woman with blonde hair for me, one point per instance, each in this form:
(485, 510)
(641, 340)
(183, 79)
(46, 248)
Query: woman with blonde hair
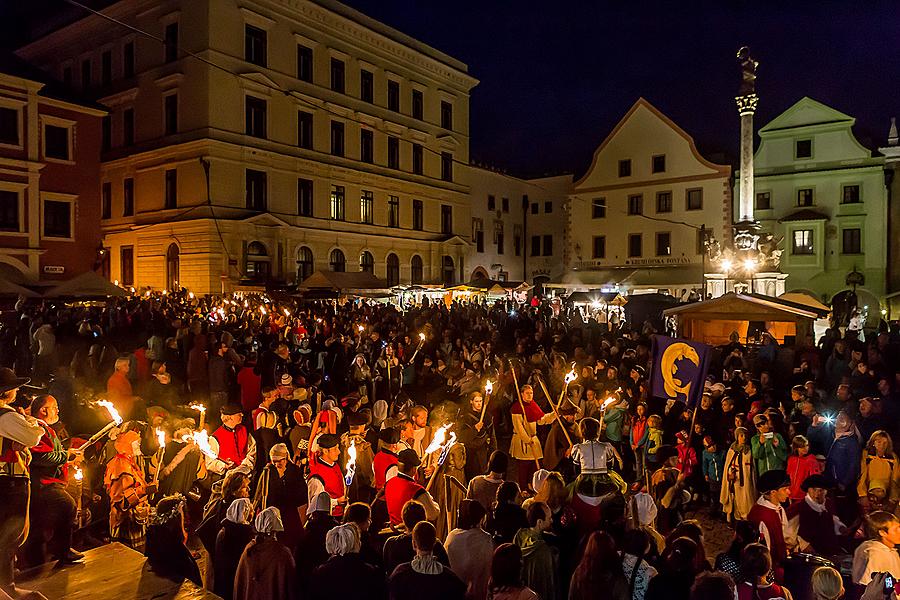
(827, 584)
(879, 472)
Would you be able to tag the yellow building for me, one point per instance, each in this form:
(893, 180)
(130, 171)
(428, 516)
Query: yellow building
(636, 219)
(266, 140)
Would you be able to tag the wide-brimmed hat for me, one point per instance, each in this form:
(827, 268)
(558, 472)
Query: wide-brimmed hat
(9, 381)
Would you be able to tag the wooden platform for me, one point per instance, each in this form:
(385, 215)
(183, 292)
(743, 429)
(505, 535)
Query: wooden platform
(110, 572)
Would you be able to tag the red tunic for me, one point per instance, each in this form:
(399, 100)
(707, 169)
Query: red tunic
(382, 462)
(232, 443)
(772, 520)
(332, 480)
(397, 492)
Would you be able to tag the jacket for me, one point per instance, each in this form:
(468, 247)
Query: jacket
(540, 563)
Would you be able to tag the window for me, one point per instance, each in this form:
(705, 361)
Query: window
(304, 63)
(548, 207)
(535, 245)
(636, 204)
(171, 197)
(635, 245)
(85, 74)
(58, 219)
(663, 244)
(337, 75)
(173, 266)
(663, 202)
(446, 218)
(393, 95)
(337, 202)
(171, 114)
(106, 67)
(393, 152)
(446, 166)
(805, 197)
(367, 262)
(337, 138)
(126, 266)
(625, 168)
(171, 42)
(803, 149)
(506, 205)
(366, 207)
(418, 216)
(658, 163)
(851, 194)
(304, 263)
(478, 234)
(305, 197)
(56, 142)
(105, 133)
(694, 199)
(517, 239)
(128, 127)
(337, 262)
(446, 115)
(366, 86)
(9, 210)
(256, 265)
(393, 211)
(393, 270)
(305, 130)
(763, 200)
(534, 208)
(417, 159)
(852, 241)
(255, 117)
(492, 202)
(418, 104)
(128, 197)
(106, 201)
(255, 45)
(415, 270)
(366, 145)
(10, 119)
(498, 236)
(548, 245)
(599, 249)
(802, 242)
(598, 208)
(448, 271)
(128, 60)
(256, 189)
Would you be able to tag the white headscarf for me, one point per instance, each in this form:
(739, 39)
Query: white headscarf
(343, 539)
(269, 521)
(538, 479)
(240, 510)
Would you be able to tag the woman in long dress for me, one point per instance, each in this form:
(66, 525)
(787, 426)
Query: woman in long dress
(739, 494)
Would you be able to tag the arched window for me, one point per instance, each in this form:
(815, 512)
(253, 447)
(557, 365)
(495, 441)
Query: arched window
(257, 263)
(173, 266)
(415, 270)
(304, 263)
(337, 261)
(448, 271)
(367, 262)
(393, 270)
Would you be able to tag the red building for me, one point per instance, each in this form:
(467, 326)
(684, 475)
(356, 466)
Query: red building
(50, 144)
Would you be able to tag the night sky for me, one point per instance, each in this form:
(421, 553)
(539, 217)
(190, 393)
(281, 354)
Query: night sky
(555, 78)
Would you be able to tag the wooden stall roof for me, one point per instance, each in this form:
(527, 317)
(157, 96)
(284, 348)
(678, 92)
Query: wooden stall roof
(745, 307)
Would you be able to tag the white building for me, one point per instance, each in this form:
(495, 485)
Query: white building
(332, 142)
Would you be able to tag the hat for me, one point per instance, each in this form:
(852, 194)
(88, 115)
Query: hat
(538, 479)
(772, 480)
(682, 437)
(759, 419)
(356, 419)
(230, 409)
(409, 458)
(269, 520)
(389, 435)
(379, 411)
(499, 462)
(286, 379)
(278, 451)
(305, 414)
(301, 394)
(328, 440)
(718, 387)
(9, 381)
(876, 484)
(821, 481)
(665, 452)
(639, 369)
(708, 441)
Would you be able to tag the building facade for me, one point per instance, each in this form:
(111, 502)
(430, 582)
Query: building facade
(637, 220)
(318, 139)
(514, 224)
(49, 168)
(824, 193)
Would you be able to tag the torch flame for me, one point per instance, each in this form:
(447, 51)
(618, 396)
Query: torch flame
(191, 295)
(571, 376)
(361, 328)
(422, 336)
(161, 437)
(262, 309)
(113, 413)
(351, 456)
(79, 474)
(488, 387)
(440, 437)
(201, 438)
(287, 313)
(198, 407)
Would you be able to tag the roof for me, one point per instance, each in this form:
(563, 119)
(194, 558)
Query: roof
(340, 282)
(86, 285)
(803, 299)
(806, 112)
(10, 64)
(806, 214)
(744, 307)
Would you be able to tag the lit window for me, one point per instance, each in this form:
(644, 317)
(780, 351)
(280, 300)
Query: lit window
(802, 242)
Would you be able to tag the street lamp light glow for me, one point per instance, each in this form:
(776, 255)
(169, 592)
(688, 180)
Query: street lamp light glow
(726, 265)
(750, 265)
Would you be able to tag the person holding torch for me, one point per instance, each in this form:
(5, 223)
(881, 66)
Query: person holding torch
(525, 446)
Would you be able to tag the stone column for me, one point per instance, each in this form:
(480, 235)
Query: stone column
(746, 107)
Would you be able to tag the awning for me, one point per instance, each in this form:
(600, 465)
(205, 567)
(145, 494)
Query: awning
(342, 282)
(688, 276)
(86, 285)
(8, 288)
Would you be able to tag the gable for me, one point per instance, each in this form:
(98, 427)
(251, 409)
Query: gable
(807, 112)
(266, 220)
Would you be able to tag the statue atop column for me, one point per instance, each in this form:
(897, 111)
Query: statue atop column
(748, 72)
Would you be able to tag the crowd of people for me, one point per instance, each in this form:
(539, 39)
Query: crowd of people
(266, 448)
